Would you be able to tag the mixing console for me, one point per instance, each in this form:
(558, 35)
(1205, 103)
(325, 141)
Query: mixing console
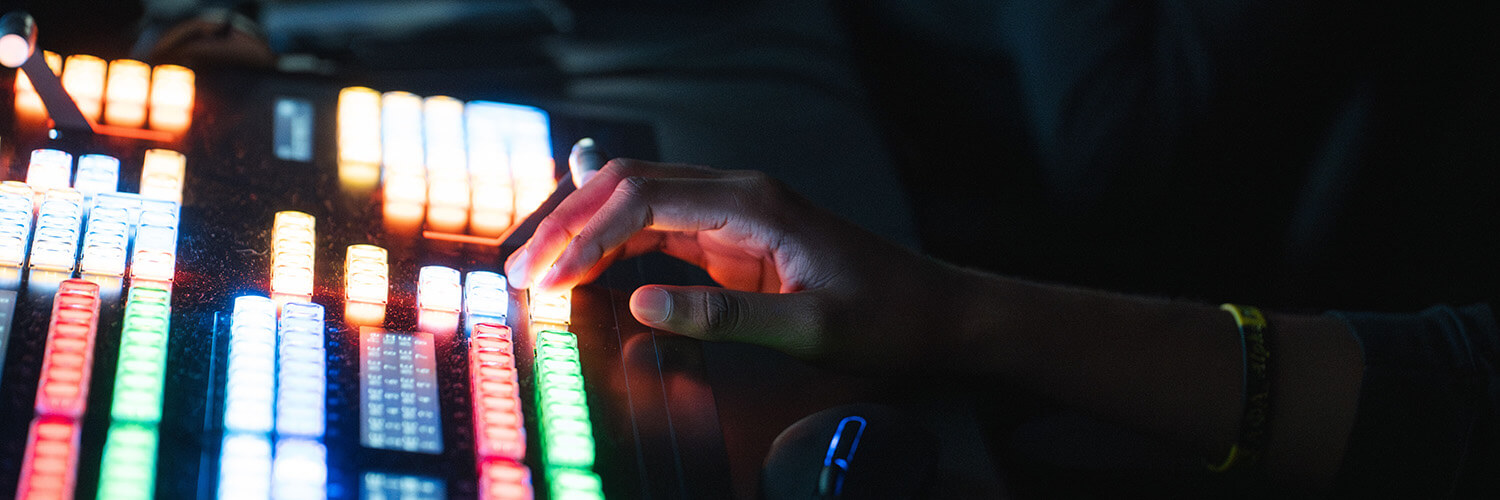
(269, 287)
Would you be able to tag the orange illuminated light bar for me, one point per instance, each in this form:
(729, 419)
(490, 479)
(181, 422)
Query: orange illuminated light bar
(498, 429)
(172, 96)
(51, 461)
(125, 94)
(28, 103)
(292, 237)
(83, 77)
(69, 355)
(366, 274)
(162, 174)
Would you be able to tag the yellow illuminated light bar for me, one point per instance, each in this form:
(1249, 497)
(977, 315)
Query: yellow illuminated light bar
(359, 126)
(552, 309)
(366, 274)
(162, 174)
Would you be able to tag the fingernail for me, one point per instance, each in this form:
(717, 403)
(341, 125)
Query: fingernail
(652, 305)
(515, 272)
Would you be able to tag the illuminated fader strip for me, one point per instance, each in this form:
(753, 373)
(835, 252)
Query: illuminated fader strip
(128, 467)
(438, 289)
(106, 241)
(292, 255)
(552, 311)
(300, 379)
(126, 93)
(366, 274)
(489, 169)
(15, 222)
(49, 169)
(249, 399)
(155, 256)
(566, 431)
(69, 356)
(299, 470)
(83, 77)
(162, 173)
(498, 429)
(51, 459)
(49, 466)
(54, 244)
(172, 95)
(504, 479)
(97, 174)
(486, 299)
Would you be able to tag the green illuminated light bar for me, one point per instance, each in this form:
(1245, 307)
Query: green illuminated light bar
(574, 484)
(143, 357)
(128, 468)
(566, 432)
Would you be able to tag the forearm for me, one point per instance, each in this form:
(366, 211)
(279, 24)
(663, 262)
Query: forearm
(1172, 369)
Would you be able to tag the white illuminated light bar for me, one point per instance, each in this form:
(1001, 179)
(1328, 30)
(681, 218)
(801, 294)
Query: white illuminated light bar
(126, 93)
(404, 160)
(15, 222)
(489, 168)
(531, 157)
(447, 166)
(83, 77)
(54, 244)
(438, 289)
(162, 174)
(97, 174)
(552, 309)
(292, 254)
(300, 379)
(249, 389)
(486, 299)
(245, 467)
(106, 240)
(172, 95)
(155, 254)
(300, 470)
(359, 126)
(366, 274)
(50, 169)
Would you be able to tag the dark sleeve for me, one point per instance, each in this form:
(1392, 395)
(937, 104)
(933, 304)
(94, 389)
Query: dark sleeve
(1427, 408)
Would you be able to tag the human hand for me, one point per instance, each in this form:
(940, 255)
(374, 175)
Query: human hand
(795, 277)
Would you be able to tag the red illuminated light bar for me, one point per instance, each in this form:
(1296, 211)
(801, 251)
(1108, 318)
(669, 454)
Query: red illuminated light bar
(51, 459)
(63, 388)
(504, 479)
(498, 429)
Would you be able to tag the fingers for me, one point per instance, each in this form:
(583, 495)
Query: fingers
(553, 234)
(790, 322)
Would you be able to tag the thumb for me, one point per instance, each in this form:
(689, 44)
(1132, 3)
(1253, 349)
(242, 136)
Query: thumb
(783, 321)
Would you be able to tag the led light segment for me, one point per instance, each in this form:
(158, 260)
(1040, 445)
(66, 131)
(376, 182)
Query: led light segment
(489, 168)
(359, 126)
(438, 289)
(128, 469)
(504, 479)
(300, 379)
(250, 387)
(292, 254)
(531, 157)
(299, 470)
(54, 244)
(486, 299)
(49, 169)
(69, 356)
(366, 275)
(552, 309)
(15, 222)
(141, 372)
(574, 484)
(162, 174)
(498, 429)
(106, 239)
(245, 466)
(567, 433)
(447, 166)
(401, 132)
(172, 94)
(83, 78)
(129, 85)
(51, 461)
(155, 255)
(97, 174)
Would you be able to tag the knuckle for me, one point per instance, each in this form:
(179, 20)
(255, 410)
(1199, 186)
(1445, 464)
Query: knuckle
(634, 187)
(721, 312)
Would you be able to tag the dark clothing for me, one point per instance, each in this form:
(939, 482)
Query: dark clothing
(1292, 155)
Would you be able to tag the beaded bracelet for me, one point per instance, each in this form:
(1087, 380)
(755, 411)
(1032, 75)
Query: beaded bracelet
(1256, 355)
